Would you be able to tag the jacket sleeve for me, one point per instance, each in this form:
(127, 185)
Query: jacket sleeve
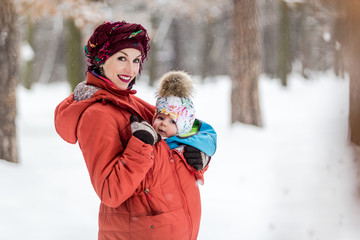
(115, 170)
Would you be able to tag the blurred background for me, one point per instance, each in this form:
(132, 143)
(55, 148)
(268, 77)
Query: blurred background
(244, 42)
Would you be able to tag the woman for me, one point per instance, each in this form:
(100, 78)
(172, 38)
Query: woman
(146, 191)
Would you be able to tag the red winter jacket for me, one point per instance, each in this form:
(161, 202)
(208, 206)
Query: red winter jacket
(146, 192)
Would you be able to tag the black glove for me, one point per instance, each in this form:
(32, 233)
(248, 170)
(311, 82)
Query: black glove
(195, 158)
(143, 131)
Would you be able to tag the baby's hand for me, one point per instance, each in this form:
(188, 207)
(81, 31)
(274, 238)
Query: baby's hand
(195, 158)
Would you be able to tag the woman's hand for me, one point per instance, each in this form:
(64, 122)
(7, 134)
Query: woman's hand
(143, 131)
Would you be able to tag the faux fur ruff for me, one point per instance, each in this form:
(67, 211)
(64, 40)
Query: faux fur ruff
(176, 83)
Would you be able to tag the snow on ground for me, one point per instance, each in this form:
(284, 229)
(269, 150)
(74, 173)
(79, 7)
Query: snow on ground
(292, 179)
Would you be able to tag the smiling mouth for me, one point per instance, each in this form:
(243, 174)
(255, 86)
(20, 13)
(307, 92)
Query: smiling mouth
(124, 78)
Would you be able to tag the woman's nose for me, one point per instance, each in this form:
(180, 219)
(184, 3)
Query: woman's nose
(130, 68)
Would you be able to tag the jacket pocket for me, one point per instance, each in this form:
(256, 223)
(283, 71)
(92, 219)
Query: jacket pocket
(146, 202)
(169, 225)
(153, 232)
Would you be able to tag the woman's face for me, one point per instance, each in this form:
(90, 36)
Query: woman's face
(122, 67)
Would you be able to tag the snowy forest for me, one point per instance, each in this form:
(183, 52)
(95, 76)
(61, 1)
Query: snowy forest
(278, 79)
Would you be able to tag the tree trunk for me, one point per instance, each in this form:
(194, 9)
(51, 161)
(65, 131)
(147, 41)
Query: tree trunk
(206, 65)
(351, 43)
(74, 54)
(27, 77)
(284, 66)
(245, 69)
(269, 12)
(176, 63)
(8, 81)
(153, 60)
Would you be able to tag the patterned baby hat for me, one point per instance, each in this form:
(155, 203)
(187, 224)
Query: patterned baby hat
(173, 99)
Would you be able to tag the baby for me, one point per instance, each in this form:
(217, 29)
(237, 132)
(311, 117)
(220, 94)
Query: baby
(174, 122)
(175, 112)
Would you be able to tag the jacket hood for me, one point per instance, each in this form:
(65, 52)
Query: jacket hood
(69, 111)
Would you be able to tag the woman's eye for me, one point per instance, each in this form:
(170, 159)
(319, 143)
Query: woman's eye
(173, 122)
(136, 60)
(121, 58)
(160, 118)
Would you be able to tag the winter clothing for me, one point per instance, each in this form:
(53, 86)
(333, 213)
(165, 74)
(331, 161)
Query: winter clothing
(195, 158)
(143, 131)
(174, 100)
(200, 144)
(111, 37)
(176, 83)
(202, 137)
(146, 192)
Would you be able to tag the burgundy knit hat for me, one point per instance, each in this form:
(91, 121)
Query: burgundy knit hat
(111, 37)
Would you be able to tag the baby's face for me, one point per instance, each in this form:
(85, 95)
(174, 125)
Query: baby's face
(165, 125)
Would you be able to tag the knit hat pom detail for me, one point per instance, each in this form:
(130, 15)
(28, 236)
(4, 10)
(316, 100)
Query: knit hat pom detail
(176, 83)
(174, 99)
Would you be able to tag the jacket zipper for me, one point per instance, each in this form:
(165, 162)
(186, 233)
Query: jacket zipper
(150, 202)
(146, 190)
(183, 197)
(148, 199)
